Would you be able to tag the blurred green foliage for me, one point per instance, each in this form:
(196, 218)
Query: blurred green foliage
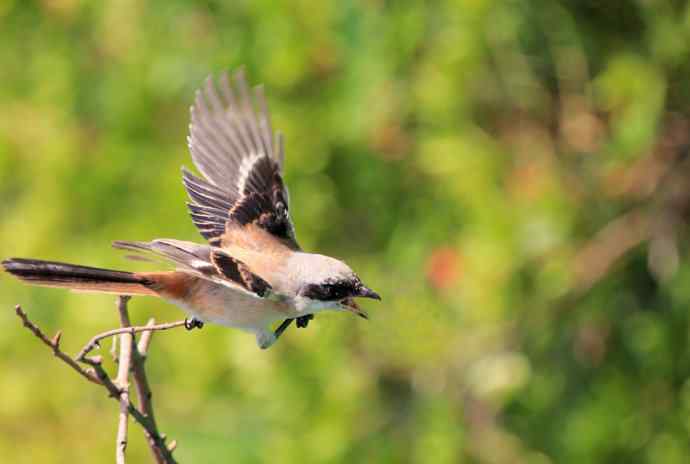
(511, 176)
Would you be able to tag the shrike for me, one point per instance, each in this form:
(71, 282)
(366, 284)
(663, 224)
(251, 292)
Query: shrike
(252, 273)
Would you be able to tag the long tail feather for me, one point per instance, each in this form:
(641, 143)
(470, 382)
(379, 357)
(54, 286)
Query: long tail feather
(75, 277)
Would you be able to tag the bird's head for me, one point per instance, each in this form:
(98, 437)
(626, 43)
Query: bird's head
(330, 284)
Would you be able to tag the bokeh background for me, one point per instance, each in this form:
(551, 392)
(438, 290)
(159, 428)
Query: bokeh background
(512, 176)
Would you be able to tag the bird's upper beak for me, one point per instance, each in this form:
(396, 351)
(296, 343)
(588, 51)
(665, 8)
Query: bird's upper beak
(366, 292)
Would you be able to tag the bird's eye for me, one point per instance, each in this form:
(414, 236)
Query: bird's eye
(336, 292)
(327, 291)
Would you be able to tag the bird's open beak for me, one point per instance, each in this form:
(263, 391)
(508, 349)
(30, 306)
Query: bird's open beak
(349, 304)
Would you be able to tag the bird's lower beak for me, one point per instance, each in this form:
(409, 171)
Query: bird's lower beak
(348, 304)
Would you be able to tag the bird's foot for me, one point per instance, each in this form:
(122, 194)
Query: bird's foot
(303, 321)
(193, 323)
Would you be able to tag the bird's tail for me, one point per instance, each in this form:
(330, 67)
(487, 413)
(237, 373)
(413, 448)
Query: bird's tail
(79, 278)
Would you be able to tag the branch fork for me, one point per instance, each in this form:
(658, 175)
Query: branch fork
(131, 357)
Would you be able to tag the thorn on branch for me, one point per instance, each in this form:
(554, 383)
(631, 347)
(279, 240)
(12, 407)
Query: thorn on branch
(56, 339)
(54, 345)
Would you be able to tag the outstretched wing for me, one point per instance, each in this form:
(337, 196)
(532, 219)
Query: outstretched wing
(233, 146)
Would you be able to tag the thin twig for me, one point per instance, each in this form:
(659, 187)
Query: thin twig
(98, 375)
(95, 341)
(126, 343)
(114, 392)
(161, 453)
(96, 362)
(125, 357)
(145, 340)
(113, 350)
(54, 344)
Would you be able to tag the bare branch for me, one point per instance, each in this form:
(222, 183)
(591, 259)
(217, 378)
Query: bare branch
(96, 362)
(145, 340)
(126, 343)
(95, 373)
(114, 392)
(54, 344)
(161, 453)
(95, 341)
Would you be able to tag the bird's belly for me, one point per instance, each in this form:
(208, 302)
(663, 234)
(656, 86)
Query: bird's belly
(216, 303)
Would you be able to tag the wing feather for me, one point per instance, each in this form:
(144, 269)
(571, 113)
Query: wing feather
(232, 144)
(232, 112)
(239, 273)
(204, 193)
(204, 261)
(265, 121)
(250, 121)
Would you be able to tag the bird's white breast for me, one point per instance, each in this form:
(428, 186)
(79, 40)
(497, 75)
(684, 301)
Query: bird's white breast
(222, 305)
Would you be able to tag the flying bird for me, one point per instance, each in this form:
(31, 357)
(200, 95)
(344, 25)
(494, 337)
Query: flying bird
(252, 273)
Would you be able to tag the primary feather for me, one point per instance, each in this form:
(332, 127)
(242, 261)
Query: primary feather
(232, 144)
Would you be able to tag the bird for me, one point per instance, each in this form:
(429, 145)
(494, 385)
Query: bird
(251, 273)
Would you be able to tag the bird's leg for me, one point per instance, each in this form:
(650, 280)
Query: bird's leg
(193, 323)
(303, 321)
(281, 328)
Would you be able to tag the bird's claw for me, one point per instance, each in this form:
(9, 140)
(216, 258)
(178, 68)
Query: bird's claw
(303, 321)
(193, 323)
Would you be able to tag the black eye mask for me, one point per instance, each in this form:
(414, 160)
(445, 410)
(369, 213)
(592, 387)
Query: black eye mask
(329, 291)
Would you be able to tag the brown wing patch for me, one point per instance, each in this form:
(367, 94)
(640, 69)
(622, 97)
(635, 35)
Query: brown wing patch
(263, 203)
(239, 273)
(252, 238)
(267, 209)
